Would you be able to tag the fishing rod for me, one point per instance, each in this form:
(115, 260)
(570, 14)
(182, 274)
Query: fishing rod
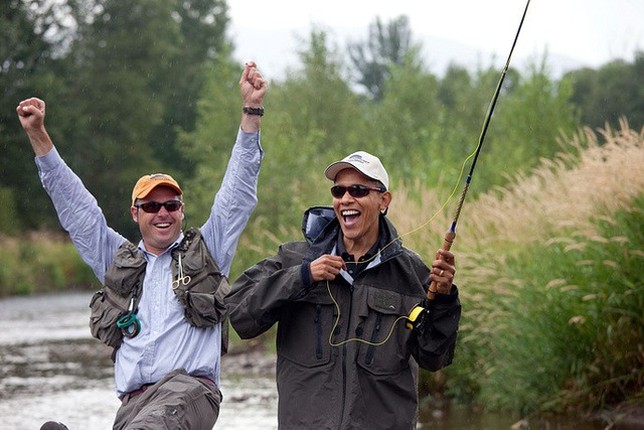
(451, 233)
(418, 313)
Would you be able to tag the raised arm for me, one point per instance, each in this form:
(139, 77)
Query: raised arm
(31, 113)
(237, 196)
(77, 209)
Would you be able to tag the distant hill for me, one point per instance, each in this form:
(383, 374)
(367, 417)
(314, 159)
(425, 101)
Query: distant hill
(277, 50)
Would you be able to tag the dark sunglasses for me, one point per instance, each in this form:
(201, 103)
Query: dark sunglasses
(355, 190)
(154, 207)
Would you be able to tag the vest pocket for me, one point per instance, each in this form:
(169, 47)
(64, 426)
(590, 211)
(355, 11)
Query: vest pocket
(104, 312)
(202, 309)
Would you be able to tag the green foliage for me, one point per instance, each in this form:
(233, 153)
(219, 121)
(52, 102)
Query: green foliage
(40, 263)
(208, 147)
(550, 274)
(319, 102)
(573, 342)
(544, 112)
(613, 91)
(200, 40)
(9, 220)
(313, 119)
(27, 67)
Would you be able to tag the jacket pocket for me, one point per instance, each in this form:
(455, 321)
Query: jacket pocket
(386, 352)
(304, 329)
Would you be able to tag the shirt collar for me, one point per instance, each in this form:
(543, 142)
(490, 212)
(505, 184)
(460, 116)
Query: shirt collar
(168, 249)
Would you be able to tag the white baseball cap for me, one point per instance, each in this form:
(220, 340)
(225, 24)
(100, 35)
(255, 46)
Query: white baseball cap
(367, 164)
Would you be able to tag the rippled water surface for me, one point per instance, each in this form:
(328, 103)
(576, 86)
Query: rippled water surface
(52, 369)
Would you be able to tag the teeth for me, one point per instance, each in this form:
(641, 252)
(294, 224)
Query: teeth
(163, 225)
(350, 213)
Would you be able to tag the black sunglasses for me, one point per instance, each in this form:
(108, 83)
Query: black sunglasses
(355, 190)
(154, 207)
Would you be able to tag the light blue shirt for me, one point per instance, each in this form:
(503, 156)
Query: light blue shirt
(166, 341)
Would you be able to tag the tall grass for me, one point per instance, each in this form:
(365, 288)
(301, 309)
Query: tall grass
(551, 277)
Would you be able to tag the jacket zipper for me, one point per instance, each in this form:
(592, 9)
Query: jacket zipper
(344, 358)
(374, 337)
(318, 329)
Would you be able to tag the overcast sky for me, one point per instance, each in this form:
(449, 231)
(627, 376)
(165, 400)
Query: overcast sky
(574, 33)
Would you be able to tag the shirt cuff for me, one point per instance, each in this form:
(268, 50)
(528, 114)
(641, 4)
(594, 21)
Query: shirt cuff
(49, 161)
(249, 139)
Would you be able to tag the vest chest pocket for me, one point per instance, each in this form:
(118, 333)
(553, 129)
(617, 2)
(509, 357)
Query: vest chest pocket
(105, 310)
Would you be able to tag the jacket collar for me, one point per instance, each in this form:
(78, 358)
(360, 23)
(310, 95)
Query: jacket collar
(325, 243)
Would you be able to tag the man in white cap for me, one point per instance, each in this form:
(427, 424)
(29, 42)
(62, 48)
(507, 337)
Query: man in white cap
(356, 312)
(161, 307)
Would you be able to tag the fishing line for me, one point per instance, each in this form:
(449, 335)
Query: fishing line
(357, 339)
(450, 235)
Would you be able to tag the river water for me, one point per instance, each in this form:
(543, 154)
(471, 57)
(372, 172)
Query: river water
(52, 369)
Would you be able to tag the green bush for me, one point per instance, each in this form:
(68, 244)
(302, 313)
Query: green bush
(42, 262)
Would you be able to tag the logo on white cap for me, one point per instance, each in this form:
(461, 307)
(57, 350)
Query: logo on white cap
(367, 164)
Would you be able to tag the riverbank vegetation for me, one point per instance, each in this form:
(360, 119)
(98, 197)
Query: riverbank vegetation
(550, 269)
(549, 246)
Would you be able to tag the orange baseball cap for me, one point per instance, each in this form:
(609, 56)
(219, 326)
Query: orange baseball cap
(147, 183)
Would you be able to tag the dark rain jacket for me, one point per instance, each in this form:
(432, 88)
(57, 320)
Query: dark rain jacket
(327, 379)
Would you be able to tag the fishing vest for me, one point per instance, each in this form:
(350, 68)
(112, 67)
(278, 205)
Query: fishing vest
(201, 289)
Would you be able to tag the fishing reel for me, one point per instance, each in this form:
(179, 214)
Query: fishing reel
(417, 319)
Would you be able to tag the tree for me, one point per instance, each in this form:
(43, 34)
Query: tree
(313, 119)
(27, 68)
(527, 125)
(113, 104)
(208, 146)
(403, 124)
(201, 40)
(386, 45)
(614, 90)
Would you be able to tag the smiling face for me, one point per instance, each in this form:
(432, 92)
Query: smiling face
(359, 216)
(159, 230)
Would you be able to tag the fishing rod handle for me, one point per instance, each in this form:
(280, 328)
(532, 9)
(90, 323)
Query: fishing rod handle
(447, 244)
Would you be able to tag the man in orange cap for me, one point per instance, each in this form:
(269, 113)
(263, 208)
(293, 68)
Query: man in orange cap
(161, 307)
